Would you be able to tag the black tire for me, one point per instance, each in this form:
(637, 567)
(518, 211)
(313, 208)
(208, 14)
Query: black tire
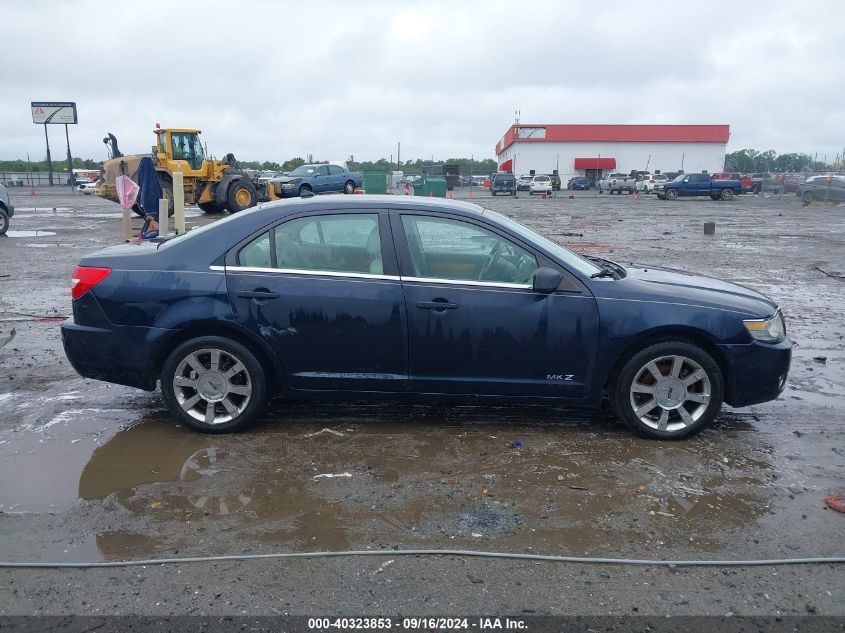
(727, 194)
(807, 197)
(349, 187)
(714, 197)
(137, 210)
(756, 189)
(167, 192)
(252, 376)
(671, 194)
(304, 188)
(236, 197)
(212, 207)
(493, 193)
(622, 398)
(4, 221)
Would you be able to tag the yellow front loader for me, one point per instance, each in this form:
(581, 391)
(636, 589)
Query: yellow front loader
(212, 185)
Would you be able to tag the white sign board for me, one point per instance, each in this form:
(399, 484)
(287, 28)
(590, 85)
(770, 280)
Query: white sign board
(53, 112)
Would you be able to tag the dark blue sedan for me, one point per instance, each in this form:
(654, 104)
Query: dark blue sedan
(578, 183)
(380, 297)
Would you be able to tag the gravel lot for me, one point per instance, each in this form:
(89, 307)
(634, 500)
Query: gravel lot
(90, 471)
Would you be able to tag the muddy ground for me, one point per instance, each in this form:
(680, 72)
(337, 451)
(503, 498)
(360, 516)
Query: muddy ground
(90, 471)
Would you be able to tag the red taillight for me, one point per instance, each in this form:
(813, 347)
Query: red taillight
(85, 278)
(652, 181)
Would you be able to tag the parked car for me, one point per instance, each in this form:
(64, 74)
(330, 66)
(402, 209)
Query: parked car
(578, 182)
(6, 209)
(744, 180)
(822, 190)
(649, 182)
(523, 183)
(617, 182)
(698, 185)
(391, 298)
(540, 184)
(318, 179)
(86, 187)
(503, 183)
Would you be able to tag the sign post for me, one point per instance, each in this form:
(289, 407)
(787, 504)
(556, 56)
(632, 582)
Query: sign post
(55, 112)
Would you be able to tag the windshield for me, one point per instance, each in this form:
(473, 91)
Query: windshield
(570, 259)
(303, 170)
(679, 178)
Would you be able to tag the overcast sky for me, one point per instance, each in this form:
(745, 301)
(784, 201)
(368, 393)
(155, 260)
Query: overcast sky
(273, 80)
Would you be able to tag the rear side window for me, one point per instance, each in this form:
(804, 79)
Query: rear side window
(256, 254)
(347, 243)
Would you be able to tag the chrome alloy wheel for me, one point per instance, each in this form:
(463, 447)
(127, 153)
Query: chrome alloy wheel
(212, 386)
(670, 393)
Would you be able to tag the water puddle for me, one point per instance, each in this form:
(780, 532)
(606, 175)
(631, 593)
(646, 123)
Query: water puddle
(30, 234)
(334, 477)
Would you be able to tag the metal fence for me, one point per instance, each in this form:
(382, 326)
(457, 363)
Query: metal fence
(32, 179)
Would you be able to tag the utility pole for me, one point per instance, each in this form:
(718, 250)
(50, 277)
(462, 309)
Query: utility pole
(398, 154)
(49, 161)
(71, 179)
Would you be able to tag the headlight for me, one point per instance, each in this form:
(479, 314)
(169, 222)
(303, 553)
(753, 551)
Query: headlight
(771, 330)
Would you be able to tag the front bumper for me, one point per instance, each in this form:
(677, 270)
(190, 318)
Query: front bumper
(757, 371)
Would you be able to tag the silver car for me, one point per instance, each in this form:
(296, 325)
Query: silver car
(6, 210)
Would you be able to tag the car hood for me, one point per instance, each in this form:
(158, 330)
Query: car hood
(648, 283)
(287, 179)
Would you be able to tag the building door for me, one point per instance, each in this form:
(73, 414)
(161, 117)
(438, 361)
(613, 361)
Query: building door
(593, 175)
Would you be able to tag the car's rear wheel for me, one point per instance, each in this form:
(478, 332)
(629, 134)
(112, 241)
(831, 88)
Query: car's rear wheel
(671, 194)
(807, 197)
(669, 390)
(214, 384)
(349, 187)
(727, 194)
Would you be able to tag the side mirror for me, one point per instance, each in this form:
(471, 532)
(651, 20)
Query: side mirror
(546, 280)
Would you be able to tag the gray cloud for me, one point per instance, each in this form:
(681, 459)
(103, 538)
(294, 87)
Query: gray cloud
(270, 80)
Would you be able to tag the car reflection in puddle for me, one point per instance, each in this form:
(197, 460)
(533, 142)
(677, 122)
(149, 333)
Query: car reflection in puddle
(428, 477)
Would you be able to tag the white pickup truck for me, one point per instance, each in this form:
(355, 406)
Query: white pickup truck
(617, 183)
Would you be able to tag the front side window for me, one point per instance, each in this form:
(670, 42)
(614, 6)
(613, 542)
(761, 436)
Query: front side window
(443, 248)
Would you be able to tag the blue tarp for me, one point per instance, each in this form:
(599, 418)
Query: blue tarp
(151, 191)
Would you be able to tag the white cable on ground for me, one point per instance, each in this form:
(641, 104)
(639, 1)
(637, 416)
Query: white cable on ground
(427, 552)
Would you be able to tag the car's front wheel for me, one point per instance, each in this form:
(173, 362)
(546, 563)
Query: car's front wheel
(214, 384)
(669, 390)
(4, 221)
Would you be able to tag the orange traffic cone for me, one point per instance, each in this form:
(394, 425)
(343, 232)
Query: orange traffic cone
(430, 194)
(449, 195)
(469, 197)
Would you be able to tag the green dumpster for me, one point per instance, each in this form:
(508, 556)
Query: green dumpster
(430, 186)
(375, 181)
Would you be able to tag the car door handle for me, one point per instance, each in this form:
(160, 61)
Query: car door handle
(437, 306)
(259, 294)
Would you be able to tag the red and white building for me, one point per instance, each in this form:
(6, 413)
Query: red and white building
(590, 150)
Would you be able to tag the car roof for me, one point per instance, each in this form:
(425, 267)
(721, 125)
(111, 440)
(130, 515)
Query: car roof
(363, 201)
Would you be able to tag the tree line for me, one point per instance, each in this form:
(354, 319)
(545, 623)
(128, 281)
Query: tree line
(748, 161)
(744, 161)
